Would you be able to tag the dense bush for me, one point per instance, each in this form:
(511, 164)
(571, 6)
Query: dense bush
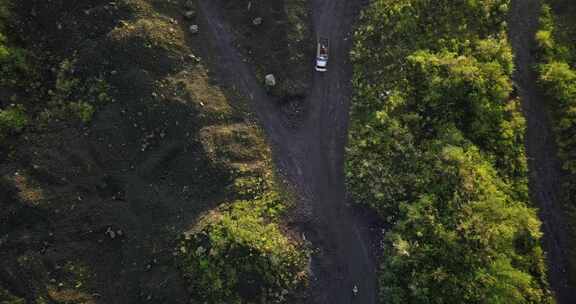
(437, 148)
(463, 240)
(238, 253)
(73, 98)
(558, 78)
(12, 120)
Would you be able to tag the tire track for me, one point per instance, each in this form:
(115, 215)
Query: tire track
(312, 157)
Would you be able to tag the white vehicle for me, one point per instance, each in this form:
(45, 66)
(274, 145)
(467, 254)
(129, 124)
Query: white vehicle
(322, 55)
(355, 290)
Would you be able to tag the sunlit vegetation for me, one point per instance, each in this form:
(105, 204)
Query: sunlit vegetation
(37, 102)
(12, 120)
(72, 98)
(238, 253)
(12, 58)
(12, 63)
(557, 77)
(437, 148)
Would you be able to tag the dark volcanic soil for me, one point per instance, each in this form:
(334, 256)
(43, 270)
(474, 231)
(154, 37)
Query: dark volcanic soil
(138, 169)
(311, 157)
(544, 166)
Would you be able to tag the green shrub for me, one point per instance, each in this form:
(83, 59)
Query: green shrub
(545, 40)
(4, 13)
(12, 120)
(558, 79)
(239, 255)
(464, 240)
(13, 63)
(73, 98)
(14, 68)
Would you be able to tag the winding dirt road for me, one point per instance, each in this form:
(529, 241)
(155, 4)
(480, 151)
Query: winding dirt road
(311, 157)
(545, 169)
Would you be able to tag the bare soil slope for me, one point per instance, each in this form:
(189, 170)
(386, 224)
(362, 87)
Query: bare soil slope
(90, 213)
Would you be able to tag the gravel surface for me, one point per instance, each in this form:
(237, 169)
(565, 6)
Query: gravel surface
(311, 157)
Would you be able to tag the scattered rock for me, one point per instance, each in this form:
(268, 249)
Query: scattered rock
(270, 80)
(190, 15)
(194, 57)
(111, 233)
(194, 29)
(257, 21)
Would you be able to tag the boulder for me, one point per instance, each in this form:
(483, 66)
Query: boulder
(194, 29)
(190, 14)
(270, 80)
(257, 21)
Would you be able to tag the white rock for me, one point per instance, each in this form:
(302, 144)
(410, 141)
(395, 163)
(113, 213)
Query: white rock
(189, 15)
(270, 80)
(194, 29)
(257, 21)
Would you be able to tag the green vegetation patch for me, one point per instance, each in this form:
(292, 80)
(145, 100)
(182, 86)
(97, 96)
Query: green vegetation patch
(234, 144)
(436, 146)
(557, 76)
(13, 62)
(73, 98)
(152, 43)
(239, 254)
(196, 90)
(12, 119)
(463, 239)
(37, 101)
(13, 68)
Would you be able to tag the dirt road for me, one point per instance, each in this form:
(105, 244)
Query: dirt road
(545, 170)
(311, 157)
